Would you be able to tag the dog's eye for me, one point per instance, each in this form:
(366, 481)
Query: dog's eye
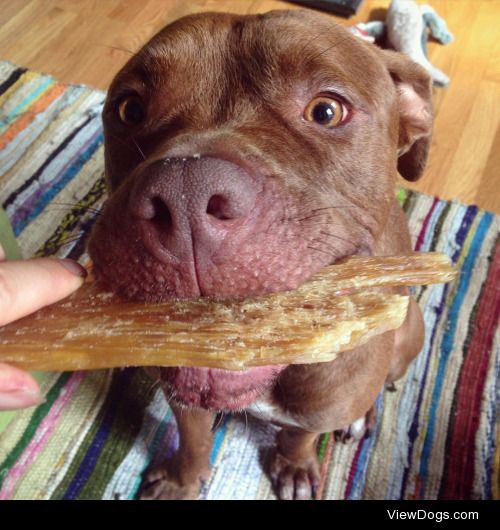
(326, 111)
(131, 110)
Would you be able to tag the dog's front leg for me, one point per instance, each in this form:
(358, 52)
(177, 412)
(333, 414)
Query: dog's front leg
(181, 476)
(294, 467)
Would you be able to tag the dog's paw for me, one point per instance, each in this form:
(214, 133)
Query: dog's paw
(294, 480)
(358, 429)
(158, 484)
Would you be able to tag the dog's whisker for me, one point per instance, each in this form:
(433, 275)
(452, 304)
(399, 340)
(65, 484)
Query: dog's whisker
(317, 212)
(320, 250)
(92, 211)
(246, 421)
(308, 217)
(76, 206)
(220, 419)
(154, 386)
(328, 245)
(320, 224)
(257, 406)
(310, 41)
(138, 148)
(121, 140)
(70, 239)
(340, 41)
(67, 243)
(336, 237)
(171, 394)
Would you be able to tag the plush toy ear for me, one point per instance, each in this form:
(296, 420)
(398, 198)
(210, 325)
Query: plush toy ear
(414, 91)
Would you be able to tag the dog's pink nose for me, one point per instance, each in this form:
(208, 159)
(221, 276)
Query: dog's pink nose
(184, 204)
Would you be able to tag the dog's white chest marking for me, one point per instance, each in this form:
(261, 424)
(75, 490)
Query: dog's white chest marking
(267, 411)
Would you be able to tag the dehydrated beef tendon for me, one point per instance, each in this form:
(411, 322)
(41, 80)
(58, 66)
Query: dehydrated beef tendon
(95, 329)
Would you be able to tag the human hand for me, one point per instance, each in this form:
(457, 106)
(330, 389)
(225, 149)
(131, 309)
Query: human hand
(26, 286)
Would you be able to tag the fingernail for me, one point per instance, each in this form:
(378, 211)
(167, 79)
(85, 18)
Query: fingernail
(20, 399)
(74, 267)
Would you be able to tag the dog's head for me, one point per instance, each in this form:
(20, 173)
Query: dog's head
(244, 153)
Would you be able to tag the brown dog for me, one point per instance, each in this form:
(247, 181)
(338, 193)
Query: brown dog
(243, 154)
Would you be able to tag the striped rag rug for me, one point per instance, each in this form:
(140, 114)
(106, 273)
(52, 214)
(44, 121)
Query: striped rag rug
(436, 437)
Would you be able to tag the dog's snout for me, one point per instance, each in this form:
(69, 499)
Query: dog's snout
(198, 199)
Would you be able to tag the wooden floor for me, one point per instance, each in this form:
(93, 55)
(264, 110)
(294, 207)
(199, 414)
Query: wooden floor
(86, 41)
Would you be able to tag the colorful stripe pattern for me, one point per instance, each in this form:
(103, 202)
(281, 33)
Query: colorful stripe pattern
(436, 437)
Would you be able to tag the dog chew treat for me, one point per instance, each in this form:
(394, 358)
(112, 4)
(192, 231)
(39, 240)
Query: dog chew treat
(95, 329)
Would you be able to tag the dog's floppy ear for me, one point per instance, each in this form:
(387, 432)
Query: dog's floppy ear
(414, 90)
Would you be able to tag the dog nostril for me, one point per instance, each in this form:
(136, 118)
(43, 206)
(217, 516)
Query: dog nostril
(161, 217)
(218, 207)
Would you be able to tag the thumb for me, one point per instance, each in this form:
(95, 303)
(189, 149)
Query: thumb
(28, 285)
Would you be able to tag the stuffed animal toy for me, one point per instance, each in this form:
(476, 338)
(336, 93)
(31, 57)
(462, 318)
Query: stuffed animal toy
(407, 28)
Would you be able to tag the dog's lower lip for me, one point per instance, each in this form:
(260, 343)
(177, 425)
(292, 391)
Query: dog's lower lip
(218, 389)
